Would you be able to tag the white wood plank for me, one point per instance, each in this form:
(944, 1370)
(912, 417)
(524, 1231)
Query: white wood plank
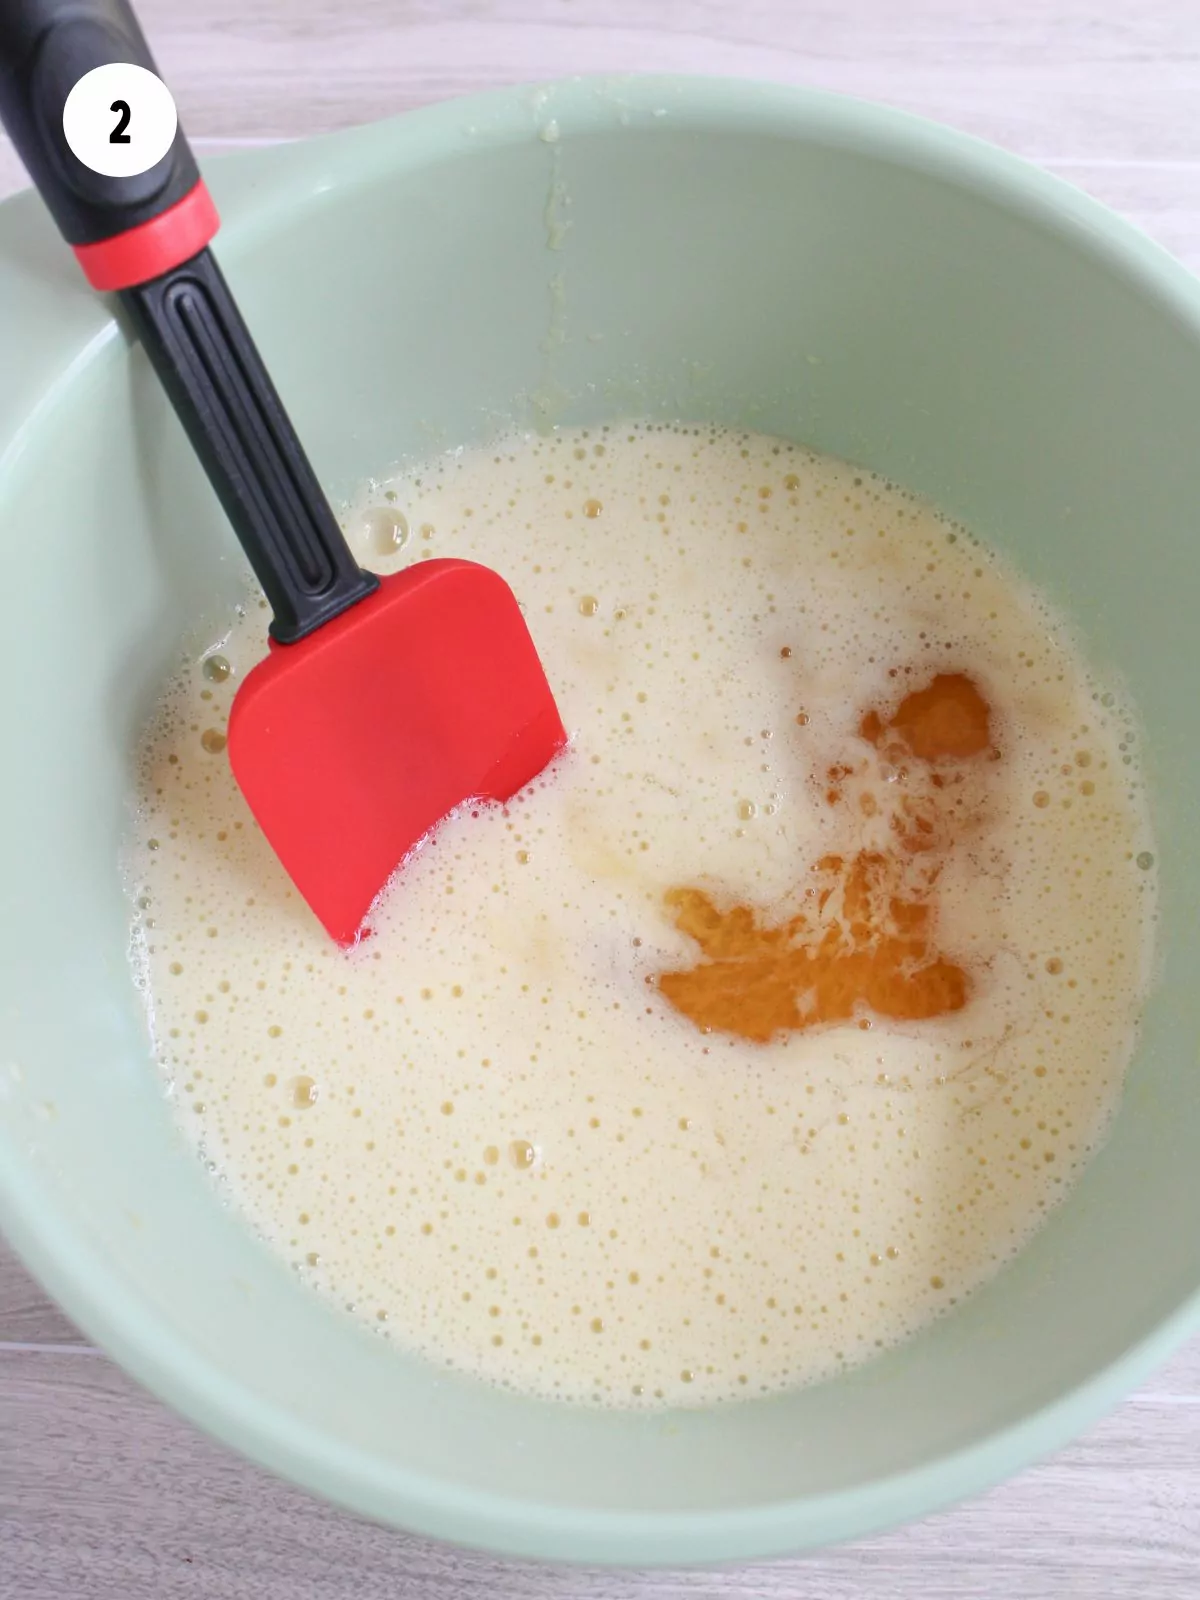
(1056, 79)
(27, 1313)
(103, 1493)
(1046, 80)
(1053, 81)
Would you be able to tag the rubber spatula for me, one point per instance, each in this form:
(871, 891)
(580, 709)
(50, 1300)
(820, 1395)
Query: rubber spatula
(382, 704)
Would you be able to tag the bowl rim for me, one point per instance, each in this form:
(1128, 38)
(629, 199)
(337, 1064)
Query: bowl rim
(132, 1332)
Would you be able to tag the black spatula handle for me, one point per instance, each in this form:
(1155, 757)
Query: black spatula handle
(145, 236)
(46, 46)
(194, 334)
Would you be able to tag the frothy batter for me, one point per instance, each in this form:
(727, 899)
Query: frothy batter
(767, 1024)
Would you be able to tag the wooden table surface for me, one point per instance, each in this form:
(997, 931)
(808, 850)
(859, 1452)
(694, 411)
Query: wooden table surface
(104, 1495)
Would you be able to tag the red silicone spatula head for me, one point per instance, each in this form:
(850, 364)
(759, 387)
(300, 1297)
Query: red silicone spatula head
(353, 743)
(381, 707)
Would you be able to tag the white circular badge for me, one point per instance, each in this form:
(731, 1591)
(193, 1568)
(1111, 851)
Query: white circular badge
(120, 120)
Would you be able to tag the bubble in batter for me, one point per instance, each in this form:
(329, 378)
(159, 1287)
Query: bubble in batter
(765, 1026)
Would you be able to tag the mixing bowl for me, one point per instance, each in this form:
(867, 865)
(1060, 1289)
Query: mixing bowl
(808, 266)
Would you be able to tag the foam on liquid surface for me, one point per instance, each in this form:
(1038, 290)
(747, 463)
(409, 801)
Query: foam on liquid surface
(498, 1130)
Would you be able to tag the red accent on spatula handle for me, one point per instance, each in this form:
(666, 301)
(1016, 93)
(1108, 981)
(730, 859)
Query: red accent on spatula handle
(154, 247)
(46, 47)
(145, 236)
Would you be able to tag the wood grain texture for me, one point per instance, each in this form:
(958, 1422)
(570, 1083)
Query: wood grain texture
(103, 1493)
(27, 1314)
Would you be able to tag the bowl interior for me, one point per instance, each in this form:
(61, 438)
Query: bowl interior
(804, 266)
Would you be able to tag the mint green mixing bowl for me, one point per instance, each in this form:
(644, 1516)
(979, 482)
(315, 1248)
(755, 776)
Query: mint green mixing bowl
(804, 265)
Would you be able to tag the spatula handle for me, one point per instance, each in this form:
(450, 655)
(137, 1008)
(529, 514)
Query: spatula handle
(144, 234)
(46, 47)
(194, 335)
